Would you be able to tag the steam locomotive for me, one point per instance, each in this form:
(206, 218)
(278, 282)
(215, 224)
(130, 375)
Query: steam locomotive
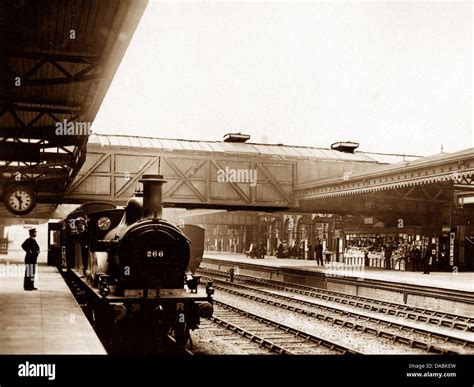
(131, 271)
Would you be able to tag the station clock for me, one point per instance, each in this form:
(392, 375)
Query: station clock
(19, 199)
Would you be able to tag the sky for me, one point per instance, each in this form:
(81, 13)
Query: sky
(394, 76)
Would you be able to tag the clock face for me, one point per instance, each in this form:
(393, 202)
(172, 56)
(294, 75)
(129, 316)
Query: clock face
(20, 200)
(104, 223)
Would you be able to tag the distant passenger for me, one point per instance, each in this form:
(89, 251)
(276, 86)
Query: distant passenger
(32, 251)
(366, 258)
(286, 250)
(388, 256)
(301, 250)
(262, 250)
(310, 250)
(416, 256)
(328, 254)
(427, 260)
(318, 249)
(294, 249)
(279, 253)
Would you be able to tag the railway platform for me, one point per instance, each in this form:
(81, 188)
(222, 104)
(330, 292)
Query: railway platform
(439, 290)
(44, 321)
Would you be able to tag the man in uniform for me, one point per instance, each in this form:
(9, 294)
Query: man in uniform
(32, 251)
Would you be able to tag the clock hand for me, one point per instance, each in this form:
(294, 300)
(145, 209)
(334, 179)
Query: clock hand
(19, 200)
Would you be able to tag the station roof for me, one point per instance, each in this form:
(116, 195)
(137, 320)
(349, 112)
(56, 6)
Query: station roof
(57, 60)
(440, 168)
(276, 150)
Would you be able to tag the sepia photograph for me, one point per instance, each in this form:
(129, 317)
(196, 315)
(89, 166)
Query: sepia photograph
(242, 187)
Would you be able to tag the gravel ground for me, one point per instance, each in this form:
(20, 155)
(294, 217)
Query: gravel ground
(358, 341)
(212, 339)
(278, 336)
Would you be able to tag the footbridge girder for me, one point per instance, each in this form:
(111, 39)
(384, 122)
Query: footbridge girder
(209, 174)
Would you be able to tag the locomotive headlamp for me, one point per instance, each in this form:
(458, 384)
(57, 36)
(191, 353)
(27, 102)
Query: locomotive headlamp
(209, 288)
(104, 223)
(104, 288)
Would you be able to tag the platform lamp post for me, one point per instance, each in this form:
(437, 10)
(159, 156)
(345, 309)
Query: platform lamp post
(220, 233)
(271, 239)
(302, 239)
(276, 240)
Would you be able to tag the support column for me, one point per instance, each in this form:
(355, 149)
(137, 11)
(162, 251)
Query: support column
(460, 235)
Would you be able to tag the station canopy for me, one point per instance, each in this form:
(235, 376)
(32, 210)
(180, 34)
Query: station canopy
(57, 60)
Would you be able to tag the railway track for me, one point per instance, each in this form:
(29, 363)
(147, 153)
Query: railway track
(451, 295)
(432, 342)
(271, 335)
(448, 320)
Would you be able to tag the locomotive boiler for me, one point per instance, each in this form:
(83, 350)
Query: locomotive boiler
(129, 269)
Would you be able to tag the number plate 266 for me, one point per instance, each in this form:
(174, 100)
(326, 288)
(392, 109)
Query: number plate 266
(155, 253)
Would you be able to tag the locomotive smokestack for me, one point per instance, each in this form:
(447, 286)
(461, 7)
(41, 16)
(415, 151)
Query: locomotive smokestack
(152, 195)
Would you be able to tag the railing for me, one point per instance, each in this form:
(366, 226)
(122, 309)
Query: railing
(358, 259)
